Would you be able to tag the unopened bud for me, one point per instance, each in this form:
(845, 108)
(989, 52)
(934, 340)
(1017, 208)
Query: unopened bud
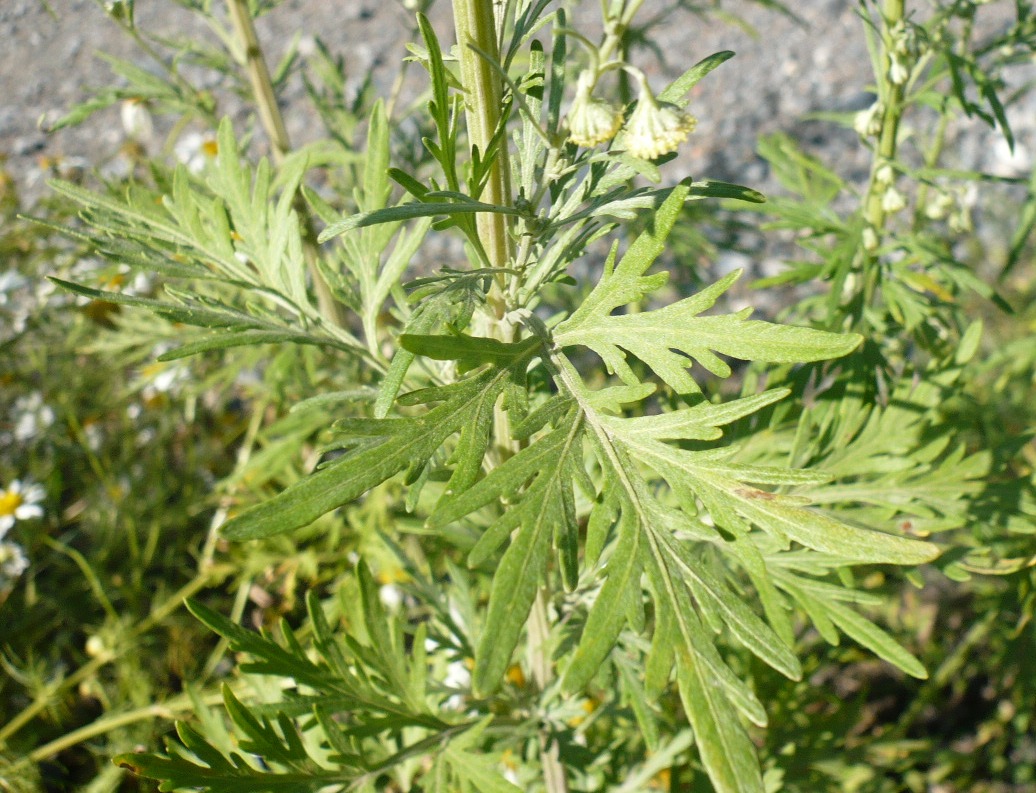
(893, 200)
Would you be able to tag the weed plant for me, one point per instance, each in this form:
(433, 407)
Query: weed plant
(467, 482)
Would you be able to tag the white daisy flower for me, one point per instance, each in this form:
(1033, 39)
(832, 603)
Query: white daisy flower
(196, 151)
(32, 416)
(19, 502)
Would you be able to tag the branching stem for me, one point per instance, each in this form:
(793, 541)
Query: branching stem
(893, 11)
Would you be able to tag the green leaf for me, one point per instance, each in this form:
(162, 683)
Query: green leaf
(874, 639)
(608, 614)
(664, 338)
(409, 212)
(544, 512)
(399, 444)
(690, 78)
(479, 771)
(732, 612)
(726, 494)
(469, 351)
(725, 749)
(699, 422)
(710, 188)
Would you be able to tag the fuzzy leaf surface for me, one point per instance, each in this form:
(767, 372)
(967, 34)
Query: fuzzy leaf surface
(396, 444)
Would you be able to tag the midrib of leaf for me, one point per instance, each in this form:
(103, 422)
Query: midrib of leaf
(776, 514)
(744, 700)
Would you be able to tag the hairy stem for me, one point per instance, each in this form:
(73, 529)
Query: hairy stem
(484, 87)
(477, 38)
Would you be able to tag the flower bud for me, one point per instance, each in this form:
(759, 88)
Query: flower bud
(656, 128)
(592, 121)
(136, 120)
(893, 200)
(867, 123)
(939, 206)
(95, 647)
(898, 71)
(870, 239)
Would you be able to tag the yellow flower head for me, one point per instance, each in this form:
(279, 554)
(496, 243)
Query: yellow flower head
(656, 128)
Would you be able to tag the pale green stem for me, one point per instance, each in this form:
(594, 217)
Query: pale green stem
(484, 93)
(273, 123)
(477, 39)
(542, 675)
(893, 11)
(103, 726)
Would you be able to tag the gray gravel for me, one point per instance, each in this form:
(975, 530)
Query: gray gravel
(50, 60)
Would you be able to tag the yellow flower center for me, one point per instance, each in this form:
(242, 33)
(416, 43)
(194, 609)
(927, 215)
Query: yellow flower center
(9, 502)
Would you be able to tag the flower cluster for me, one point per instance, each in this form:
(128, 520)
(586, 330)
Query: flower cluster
(904, 52)
(654, 128)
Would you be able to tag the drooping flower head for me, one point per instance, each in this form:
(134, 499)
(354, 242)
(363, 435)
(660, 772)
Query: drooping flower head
(591, 121)
(655, 128)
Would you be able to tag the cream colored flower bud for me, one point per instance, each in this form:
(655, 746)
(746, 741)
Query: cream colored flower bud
(898, 71)
(870, 239)
(136, 120)
(95, 647)
(939, 206)
(893, 200)
(867, 123)
(592, 121)
(960, 221)
(656, 128)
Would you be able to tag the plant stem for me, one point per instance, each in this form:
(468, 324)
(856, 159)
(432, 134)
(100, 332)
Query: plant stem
(542, 675)
(477, 40)
(893, 11)
(887, 143)
(273, 123)
(105, 725)
(484, 93)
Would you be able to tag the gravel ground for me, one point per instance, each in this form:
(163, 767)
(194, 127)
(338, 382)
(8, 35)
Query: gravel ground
(784, 70)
